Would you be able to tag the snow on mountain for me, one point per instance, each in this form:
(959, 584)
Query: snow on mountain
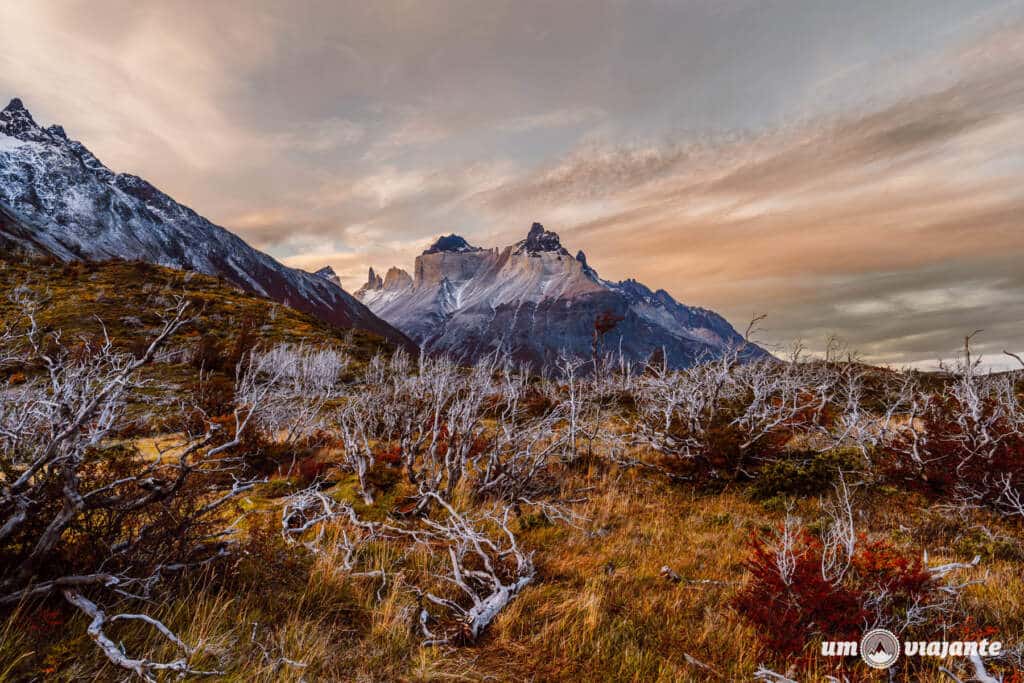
(534, 300)
(58, 199)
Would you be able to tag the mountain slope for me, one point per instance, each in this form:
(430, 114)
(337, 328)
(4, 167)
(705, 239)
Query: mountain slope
(57, 199)
(534, 300)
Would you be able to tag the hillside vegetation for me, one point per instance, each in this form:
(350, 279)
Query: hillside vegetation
(199, 483)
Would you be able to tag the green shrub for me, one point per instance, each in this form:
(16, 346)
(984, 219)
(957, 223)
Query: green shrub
(803, 474)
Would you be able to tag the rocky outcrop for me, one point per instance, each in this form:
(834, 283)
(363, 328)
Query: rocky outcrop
(539, 241)
(396, 278)
(451, 244)
(328, 274)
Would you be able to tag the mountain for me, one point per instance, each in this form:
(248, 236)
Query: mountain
(57, 199)
(328, 274)
(534, 300)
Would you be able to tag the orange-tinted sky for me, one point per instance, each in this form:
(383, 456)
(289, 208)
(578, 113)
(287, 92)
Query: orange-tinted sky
(854, 168)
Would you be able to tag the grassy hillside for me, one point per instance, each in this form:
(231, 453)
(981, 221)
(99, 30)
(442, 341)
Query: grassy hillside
(601, 607)
(124, 300)
(126, 296)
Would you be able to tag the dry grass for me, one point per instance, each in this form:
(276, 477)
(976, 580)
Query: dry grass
(599, 609)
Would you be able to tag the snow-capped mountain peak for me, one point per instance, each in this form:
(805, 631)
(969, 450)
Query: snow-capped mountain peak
(328, 274)
(539, 240)
(17, 122)
(58, 199)
(534, 300)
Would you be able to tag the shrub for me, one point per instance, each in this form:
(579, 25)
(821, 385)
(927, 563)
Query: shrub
(791, 602)
(803, 474)
(724, 419)
(966, 443)
(791, 608)
(209, 354)
(311, 469)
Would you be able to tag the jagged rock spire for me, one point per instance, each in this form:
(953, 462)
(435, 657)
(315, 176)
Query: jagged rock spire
(373, 281)
(17, 122)
(581, 258)
(540, 240)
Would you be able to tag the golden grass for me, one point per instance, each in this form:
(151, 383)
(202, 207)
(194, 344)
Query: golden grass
(598, 610)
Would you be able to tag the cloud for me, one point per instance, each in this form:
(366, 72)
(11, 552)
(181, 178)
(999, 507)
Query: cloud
(880, 225)
(559, 118)
(321, 136)
(844, 167)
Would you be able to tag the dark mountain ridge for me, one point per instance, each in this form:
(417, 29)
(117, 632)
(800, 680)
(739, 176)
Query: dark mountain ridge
(57, 199)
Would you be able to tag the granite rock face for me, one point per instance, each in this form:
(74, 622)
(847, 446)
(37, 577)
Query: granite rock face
(534, 301)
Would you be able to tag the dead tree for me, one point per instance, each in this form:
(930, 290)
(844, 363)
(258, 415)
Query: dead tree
(965, 441)
(300, 381)
(485, 570)
(719, 416)
(356, 423)
(66, 484)
(520, 446)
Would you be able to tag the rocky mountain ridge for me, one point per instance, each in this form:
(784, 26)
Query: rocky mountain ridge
(57, 199)
(534, 300)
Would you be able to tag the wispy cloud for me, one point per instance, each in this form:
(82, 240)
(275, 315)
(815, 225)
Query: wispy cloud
(843, 167)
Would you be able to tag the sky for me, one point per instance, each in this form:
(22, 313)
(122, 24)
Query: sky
(849, 169)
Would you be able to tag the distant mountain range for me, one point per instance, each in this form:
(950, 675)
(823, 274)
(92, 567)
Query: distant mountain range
(535, 300)
(531, 299)
(57, 199)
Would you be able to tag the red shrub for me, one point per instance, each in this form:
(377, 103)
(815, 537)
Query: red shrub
(963, 449)
(791, 612)
(310, 469)
(391, 456)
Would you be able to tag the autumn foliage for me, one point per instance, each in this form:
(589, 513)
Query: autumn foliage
(791, 609)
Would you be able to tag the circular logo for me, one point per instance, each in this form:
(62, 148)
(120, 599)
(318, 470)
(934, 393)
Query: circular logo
(879, 648)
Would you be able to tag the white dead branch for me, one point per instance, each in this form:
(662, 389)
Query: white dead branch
(487, 571)
(763, 674)
(53, 432)
(981, 675)
(272, 655)
(839, 542)
(144, 668)
(477, 570)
